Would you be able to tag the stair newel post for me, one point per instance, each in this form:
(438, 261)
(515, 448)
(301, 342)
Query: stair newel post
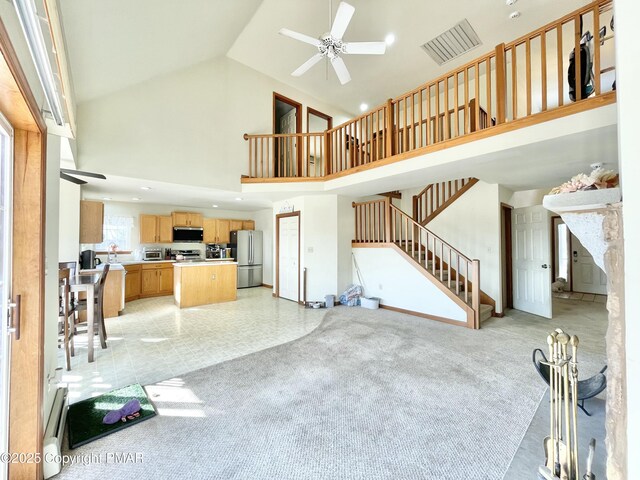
(327, 153)
(501, 85)
(475, 293)
(387, 219)
(389, 136)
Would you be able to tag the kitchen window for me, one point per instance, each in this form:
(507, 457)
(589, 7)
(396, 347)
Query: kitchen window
(117, 230)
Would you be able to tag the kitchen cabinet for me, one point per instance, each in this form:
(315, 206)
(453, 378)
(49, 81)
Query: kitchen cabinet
(235, 225)
(132, 282)
(216, 230)
(187, 219)
(156, 279)
(91, 221)
(248, 225)
(156, 229)
(204, 283)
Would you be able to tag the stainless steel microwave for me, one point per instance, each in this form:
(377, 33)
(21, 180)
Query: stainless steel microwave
(187, 234)
(149, 253)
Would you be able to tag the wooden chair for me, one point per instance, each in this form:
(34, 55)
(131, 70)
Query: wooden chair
(99, 325)
(66, 317)
(73, 271)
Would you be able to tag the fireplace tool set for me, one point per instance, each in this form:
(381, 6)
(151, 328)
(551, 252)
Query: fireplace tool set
(561, 446)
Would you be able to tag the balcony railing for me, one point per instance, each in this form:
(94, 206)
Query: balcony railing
(515, 81)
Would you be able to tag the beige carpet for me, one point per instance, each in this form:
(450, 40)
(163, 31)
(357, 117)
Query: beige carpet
(367, 395)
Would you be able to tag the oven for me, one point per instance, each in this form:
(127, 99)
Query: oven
(152, 254)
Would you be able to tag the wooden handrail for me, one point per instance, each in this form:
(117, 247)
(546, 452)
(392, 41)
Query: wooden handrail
(435, 197)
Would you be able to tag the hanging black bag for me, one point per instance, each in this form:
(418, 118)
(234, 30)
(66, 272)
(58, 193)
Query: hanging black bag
(586, 69)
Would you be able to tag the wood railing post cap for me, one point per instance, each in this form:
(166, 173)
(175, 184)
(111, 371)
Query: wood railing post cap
(246, 136)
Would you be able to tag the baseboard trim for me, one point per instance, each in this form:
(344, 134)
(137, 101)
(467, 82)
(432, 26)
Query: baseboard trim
(498, 315)
(266, 285)
(458, 323)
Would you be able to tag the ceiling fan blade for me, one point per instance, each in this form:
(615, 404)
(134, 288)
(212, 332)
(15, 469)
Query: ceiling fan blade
(83, 174)
(341, 70)
(299, 36)
(341, 22)
(307, 65)
(365, 48)
(71, 179)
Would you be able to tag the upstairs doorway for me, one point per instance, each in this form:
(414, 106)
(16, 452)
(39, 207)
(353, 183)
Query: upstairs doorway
(287, 121)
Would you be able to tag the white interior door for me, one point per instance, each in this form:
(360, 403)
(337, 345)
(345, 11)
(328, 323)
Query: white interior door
(288, 268)
(6, 229)
(587, 276)
(288, 124)
(532, 261)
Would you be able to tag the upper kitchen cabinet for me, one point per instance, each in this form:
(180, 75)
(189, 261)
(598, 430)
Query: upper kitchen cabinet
(156, 229)
(216, 230)
(187, 219)
(248, 225)
(235, 225)
(91, 220)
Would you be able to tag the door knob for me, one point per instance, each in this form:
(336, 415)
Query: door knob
(544, 265)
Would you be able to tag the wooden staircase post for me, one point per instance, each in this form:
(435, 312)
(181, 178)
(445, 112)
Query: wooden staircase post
(327, 153)
(387, 219)
(501, 90)
(389, 147)
(475, 293)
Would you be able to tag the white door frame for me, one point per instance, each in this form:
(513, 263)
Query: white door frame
(277, 259)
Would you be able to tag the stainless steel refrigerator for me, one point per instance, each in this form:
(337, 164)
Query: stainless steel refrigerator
(246, 248)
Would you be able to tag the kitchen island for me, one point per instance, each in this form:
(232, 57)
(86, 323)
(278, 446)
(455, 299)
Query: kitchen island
(203, 283)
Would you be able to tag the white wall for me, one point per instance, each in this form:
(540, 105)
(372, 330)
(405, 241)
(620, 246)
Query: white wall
(69, 222)
(627, 13)
(264, 222)
(388, 276)
(51, 269)
(198, 114)
(527, 198)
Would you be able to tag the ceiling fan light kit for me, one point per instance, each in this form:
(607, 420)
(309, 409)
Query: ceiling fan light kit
(331, 45)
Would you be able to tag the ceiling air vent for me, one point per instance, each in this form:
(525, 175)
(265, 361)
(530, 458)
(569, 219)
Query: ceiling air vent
(452, 43)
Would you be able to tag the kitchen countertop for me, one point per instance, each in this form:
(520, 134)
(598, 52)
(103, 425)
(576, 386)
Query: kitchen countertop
(221, 261)
(150, 262)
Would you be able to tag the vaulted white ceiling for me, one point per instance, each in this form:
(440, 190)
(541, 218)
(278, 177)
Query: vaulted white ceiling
(117, 43)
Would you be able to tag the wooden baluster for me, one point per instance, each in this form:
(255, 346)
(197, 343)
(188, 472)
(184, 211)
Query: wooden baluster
(501, 82)
(466, 281)
(433, 257)
(528, 74)
(543, 68)
(449, 270)
(446, 109)
(476, 91)
(596, 49)
(250, 157)
(442, 261)
(577, 56)
(420, 119)
(456, 107)
(369, 156)
(467, 120)
(407, 127)
(514, 82)
(388, 138)
(560, 67)
(487, 69)
(437, 204)
(475, 294)
(437, 127)
(457, 273)
(428, 126)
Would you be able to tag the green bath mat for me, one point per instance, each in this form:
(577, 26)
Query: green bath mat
(85, 418)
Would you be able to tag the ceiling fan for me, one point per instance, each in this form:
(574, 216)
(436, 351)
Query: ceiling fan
(331, 46)
(65, 174)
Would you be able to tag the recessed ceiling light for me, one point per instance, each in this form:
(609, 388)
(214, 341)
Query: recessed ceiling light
(214, 206)
(514, 15)
(135, 199)
(511, 2)
(238, 199)
(363, 107)
(106, 198)
(145, 188)
(389, 39)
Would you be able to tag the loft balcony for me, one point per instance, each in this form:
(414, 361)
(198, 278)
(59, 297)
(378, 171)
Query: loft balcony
(515, 86)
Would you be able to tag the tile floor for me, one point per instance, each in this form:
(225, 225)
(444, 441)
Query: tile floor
(585, 297)
(154, 340)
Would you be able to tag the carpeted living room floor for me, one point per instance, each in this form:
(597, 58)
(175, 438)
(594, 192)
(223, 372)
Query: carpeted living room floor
(366, 395)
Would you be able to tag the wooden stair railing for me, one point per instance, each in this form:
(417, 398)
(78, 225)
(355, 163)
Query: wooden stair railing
(378, 221)
(436, 197)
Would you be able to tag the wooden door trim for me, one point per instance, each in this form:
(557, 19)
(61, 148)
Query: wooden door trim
(279, 217)
(26, 394)
(318, 113)
(298, 106)
(507, 292)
